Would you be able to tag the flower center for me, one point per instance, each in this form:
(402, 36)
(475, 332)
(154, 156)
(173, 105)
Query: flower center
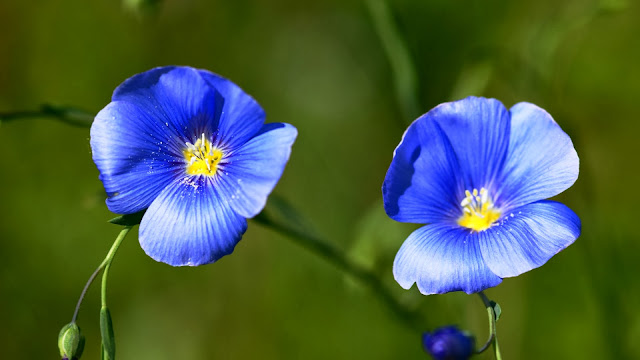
(202, 158)
(478, 211)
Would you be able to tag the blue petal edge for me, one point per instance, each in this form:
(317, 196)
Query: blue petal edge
(190, 223)
(542, 161)
(254, 169)
(528, 236)
(177, 100)
(138, 139)
(242, 117)
(421, 185)
(196, 100)
(134, 169)
(478, 129)
(441, 258)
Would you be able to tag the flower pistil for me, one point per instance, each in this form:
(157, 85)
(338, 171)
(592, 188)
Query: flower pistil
(478, 211)
(202, 157)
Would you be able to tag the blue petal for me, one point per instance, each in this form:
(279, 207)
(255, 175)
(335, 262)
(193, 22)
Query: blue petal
(193, 101)
(177, 99)
(142, 82)
(138, 139)
(478, 130)
(190, 223)
(541, 162)
(242, 117)
(528, 236)
(255, 168)
(441, 258)
(131, 154)
(421, 184)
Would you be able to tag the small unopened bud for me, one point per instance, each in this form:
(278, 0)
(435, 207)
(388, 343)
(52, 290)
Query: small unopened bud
(448, 343)
(70, 342)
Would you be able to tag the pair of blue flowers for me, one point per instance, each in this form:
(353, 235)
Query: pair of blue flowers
(192, 149)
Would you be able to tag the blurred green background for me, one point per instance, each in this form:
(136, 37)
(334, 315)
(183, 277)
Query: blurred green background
(321, 66)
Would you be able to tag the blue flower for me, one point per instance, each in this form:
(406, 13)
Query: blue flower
(448, 343)
(192, 148)
(478, 174)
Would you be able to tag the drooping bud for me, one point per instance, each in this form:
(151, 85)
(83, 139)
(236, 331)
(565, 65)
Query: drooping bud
(70, 342)
(448, 343)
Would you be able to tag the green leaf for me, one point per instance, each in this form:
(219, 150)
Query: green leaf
(397, 52)
(281, 209)
(497, 310)
(106, 331)
(128, 219)
(377, 238)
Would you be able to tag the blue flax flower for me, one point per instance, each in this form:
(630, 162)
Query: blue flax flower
(192, 148)
(448, 343)
(478, 174)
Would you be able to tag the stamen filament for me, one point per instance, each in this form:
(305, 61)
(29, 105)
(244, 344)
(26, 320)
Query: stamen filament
(478, 212)
(202, 158)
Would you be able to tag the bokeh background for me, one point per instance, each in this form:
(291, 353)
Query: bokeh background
(324, 67)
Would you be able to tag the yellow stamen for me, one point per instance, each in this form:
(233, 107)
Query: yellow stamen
(202, 158)
(478, 212)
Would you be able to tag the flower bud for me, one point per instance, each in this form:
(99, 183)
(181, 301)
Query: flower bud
(70, 342)
(448, 343)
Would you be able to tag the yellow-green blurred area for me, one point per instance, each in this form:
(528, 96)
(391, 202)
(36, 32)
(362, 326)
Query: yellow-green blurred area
(321, 66)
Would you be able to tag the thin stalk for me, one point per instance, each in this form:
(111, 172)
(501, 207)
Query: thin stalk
(84, 292)
(335, 256)
(66, 114)
(493, 337)
(404, 72)
(107, 260)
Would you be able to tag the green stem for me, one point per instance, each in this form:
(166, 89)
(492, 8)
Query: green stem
(84, 292)
(493, 337)
(335, 256)
(66, 114)
(106, 261)
(404, 73)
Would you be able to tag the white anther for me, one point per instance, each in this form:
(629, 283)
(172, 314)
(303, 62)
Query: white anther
(477, 202)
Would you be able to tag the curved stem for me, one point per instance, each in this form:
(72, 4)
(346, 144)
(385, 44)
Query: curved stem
(339, 259)
(404, 72)
(109, 259)
(493, 337)
(106, 261)
(66, 114)
(84, 292)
